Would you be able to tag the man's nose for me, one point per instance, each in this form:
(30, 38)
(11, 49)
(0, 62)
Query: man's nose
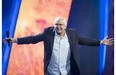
(58, 26)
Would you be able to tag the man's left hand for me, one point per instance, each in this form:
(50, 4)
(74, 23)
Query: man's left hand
(107, 41)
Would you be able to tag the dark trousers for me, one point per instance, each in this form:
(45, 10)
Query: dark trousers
(47, 73)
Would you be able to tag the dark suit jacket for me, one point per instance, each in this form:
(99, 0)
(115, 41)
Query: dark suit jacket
(48, 38)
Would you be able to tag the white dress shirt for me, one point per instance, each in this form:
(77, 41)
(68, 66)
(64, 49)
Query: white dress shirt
(60, 59)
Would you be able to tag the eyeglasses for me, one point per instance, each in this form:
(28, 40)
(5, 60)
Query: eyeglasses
(59, 25)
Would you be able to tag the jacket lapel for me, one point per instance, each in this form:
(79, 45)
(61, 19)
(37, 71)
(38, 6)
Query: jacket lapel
(52, 35)
(52, 39)
(69, 38)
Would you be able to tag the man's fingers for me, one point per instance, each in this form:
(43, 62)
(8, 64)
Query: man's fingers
(111, 39)
(4, 40)
(7, 39)
(111, 42)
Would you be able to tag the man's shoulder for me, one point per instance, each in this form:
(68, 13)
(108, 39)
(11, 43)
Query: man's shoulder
(70, 29)
(49, 29)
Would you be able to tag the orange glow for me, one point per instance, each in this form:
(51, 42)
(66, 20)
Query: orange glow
(34, 16)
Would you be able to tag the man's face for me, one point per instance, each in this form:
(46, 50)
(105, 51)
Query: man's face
(60, 27)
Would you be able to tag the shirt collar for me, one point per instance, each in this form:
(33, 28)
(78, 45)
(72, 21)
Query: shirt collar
(58, 35)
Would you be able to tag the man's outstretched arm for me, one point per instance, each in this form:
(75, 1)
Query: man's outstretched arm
(27, 39)
(94, 42)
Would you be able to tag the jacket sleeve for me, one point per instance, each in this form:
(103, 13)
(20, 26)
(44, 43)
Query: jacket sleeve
(87, 41)
(31, 39)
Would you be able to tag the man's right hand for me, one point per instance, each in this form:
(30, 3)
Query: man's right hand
(12, 40)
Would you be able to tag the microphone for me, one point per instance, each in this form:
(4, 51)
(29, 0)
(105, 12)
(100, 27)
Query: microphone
(7, 35)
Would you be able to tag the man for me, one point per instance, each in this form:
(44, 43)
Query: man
(60, 52)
